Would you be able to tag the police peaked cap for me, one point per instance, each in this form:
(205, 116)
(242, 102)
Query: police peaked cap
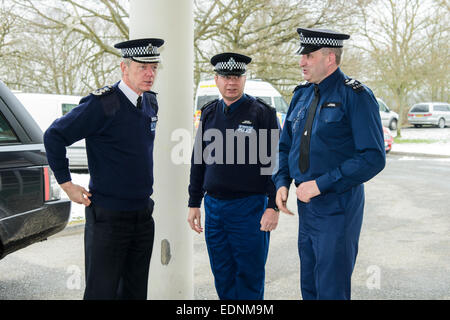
(141, 50)
(315, 39)
(229, 63)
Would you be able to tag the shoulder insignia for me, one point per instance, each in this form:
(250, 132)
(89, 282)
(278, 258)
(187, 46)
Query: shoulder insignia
(206, 105)
(354, 84)
(303, 84)
(264, 103)
(152, 100)
(103, 91)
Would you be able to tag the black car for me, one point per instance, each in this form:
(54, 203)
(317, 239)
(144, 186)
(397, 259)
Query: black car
(30, 206)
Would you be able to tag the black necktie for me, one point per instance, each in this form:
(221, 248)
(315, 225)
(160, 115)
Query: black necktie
(303, 161)
(139, 103)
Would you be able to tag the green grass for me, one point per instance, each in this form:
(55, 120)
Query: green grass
(401, 140)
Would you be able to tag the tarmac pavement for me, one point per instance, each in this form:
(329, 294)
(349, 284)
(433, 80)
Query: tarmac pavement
(403, 245)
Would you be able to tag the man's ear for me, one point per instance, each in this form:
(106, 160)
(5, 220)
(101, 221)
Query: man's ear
(332, 58)
(123, 67)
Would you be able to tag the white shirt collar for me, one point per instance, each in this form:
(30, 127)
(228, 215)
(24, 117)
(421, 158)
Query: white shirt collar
(128, 92)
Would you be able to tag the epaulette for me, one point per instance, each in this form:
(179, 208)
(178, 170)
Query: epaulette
(103, 91)
(152, 100)
(354, 84)
(303, 84)
(264, 103)
(206, 105)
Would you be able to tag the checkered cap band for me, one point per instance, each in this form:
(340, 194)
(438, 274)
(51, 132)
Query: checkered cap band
(320, 41)
(140, 51)
(230, 65)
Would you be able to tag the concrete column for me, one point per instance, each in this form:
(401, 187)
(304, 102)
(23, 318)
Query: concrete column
(171, 269)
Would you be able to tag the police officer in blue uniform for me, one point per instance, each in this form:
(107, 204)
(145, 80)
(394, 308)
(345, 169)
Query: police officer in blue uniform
(332, 142)
(240, 208)
(118, 123)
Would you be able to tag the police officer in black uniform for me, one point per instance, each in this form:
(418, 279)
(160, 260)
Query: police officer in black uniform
(240, 196)
(118, 123)
(332, 142)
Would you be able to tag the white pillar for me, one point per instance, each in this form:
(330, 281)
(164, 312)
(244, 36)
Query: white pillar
(171, 276)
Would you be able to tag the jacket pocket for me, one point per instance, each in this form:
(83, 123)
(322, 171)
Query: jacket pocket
(326, 204)
(330, 115)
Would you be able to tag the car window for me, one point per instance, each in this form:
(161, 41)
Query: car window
(281, 105)
(66, 107)
(7, 134)
(440, 107)
(382, 106)
(202, 100)
(420, 108)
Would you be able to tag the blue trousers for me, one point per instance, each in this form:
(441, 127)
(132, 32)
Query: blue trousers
(237, 247)
(329, 229)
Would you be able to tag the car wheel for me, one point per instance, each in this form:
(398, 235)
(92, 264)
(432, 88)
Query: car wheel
(417, 126)
(393, 124)
(441, 123)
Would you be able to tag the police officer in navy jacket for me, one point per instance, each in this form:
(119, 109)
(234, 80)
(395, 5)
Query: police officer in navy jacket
(118, 123)
(227, 165)
(332, 142)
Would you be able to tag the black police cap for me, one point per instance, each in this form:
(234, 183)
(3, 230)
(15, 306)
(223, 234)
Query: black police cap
(230, 63)
(314, 39)
(141, 50)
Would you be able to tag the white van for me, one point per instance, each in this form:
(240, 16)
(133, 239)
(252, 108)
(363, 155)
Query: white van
(208, 91)
(45, 108)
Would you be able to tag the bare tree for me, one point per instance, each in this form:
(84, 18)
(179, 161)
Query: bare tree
(396, 35)
(77, 38)
(8, 42)
(66, 46)
(264, 30)
(7, 29)
(436, 75)
(72, 43)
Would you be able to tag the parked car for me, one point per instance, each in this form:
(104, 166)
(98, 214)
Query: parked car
(208, 91)
(30, 206)
(388, 139)
(388, 118)
(429, 113)
(45, 108)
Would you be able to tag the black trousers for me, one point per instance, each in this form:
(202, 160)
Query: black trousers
(118, 247)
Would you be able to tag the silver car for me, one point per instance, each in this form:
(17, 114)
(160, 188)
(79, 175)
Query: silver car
(429, 113)
(389, 118)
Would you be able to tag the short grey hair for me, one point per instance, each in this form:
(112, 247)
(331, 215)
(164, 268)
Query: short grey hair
(127, 61)
(337, 53)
